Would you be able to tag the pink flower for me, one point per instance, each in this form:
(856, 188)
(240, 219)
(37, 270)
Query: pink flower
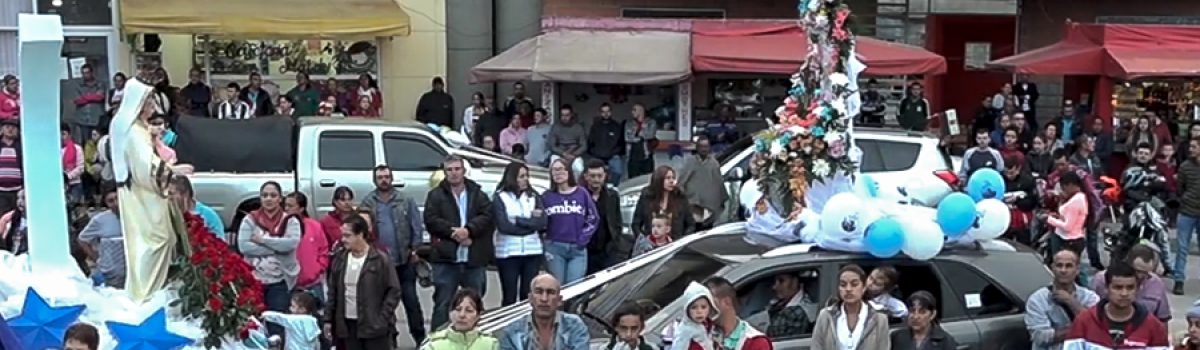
(837, 149)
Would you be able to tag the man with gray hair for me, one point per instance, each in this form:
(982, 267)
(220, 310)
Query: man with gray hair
(458, 216)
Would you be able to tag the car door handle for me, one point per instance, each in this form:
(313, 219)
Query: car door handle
(327, 183)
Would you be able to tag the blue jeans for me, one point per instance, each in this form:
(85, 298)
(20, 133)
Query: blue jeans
(277, 296)
(616, 169)
(447, 278)
(567, 262)
(1187, 228)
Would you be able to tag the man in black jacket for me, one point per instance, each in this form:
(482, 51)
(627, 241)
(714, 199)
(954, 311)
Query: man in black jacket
(436, 106)
(608, 246)
(606, 142)
(458, 216)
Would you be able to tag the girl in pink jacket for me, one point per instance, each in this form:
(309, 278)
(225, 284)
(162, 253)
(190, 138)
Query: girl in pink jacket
(1072, 214)
(10, 98)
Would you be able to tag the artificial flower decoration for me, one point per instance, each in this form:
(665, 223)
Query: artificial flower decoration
(41, 326)
(151, 334)
(809, 138)
(218, 286)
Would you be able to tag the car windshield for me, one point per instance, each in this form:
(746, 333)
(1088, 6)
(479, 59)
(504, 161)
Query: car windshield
(661, 282)
(734, 149)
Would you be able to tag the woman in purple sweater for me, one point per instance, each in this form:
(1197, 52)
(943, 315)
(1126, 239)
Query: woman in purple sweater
(571, 220)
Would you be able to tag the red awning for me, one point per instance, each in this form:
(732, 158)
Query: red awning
(780, 47)
(1124, 51)
(1061, 58)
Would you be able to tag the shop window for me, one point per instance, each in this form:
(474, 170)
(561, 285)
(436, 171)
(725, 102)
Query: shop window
(408, 154)
(345, 60)
(77, 12)
(346, 150)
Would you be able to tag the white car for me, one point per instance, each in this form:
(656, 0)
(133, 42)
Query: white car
(907, 163)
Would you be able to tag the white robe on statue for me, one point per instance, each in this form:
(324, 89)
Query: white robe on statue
(147, 215)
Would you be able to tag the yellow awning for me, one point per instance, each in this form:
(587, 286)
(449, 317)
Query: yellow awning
(267, 19)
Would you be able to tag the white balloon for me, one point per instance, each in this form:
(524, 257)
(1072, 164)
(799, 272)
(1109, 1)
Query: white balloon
(923, 239)
(991, 220)
(842, 219)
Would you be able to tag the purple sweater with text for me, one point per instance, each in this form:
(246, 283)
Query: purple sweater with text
(570, 218)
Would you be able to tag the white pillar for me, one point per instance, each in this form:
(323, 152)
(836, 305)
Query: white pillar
(41, 48)
(683, 118)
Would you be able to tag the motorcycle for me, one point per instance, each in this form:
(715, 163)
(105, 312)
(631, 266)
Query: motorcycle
(1144, 224)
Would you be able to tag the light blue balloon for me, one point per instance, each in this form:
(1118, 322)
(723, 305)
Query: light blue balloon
(985, 184)
(884, 238)
(956, 214)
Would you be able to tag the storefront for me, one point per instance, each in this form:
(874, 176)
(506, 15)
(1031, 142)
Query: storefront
(609, 63)
(746, 64)
(682, 70)
(278, 38)
(1128, 68)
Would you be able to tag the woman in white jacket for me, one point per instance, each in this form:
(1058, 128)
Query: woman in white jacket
(519, 218)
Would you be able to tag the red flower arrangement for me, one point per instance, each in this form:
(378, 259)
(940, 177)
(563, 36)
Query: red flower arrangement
(217, 286)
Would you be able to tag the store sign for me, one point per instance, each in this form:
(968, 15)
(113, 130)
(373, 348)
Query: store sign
(285, 57)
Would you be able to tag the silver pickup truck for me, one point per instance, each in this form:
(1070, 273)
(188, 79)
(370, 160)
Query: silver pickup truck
(331, 152)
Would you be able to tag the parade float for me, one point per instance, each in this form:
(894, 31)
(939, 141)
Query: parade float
(805, 166)
(185, 288)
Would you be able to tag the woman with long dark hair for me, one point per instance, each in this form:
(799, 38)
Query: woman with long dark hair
(364, 292)
(313, 251)
(922, 331)
(571, 220)
(519, 216)
(165, 96)
(343, 205)
(267, 239)
(472, 115)
(663, 196)
(849, 320)
(1143, 132)
(367, 87)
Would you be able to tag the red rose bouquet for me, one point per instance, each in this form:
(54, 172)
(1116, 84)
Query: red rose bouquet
(217, 286)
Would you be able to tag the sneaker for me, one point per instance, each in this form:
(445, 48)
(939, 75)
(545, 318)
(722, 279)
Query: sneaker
(1178, 289)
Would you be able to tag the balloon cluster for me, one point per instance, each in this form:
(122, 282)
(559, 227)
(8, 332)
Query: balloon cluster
(865, 221)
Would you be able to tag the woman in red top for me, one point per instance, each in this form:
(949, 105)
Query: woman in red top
(343, 205)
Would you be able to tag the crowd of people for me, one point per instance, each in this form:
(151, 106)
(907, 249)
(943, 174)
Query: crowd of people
(338, 277)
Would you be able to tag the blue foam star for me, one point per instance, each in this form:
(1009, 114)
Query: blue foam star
(41, 326)
(151, 334)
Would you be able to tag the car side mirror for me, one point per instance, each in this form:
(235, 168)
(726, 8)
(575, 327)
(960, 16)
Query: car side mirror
(737, 174)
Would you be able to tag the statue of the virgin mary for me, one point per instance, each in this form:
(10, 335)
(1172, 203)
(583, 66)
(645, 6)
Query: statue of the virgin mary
(153, 226)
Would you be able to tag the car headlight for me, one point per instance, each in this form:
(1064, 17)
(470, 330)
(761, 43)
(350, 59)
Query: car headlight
(629, 200)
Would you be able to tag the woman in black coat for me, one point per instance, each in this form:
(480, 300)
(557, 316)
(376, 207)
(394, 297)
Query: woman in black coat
(922, 331)
(663, 196)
